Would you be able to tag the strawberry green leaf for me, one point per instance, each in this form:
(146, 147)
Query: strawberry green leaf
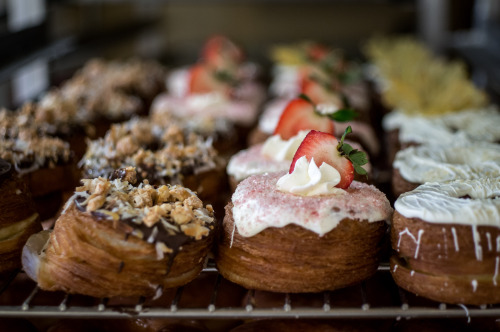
(226, 77)
(357, 158)
(343, 115)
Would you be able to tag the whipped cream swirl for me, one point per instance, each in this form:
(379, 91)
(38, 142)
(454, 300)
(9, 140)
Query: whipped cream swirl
(278, 149)
(307, 179)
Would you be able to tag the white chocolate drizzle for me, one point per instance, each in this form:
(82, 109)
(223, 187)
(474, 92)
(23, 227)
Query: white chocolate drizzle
(495, 276)
(474, 285)
(488, 237)
(416, 240)
(477, 243)
(455, 239)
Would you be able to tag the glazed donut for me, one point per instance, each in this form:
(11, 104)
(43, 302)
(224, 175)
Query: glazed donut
(277, 241)
(114, 239)
(446, 241)
(430, 163)
(18, 219)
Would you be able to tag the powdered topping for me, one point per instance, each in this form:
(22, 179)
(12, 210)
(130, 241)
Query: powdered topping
(161, 154)
(441, 163)
(259, 205)
(308, 179)
(278, 149)
(157, 215)
(466, 202)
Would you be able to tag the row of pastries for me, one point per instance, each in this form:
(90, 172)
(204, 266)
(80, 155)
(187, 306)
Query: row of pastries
(278, 189)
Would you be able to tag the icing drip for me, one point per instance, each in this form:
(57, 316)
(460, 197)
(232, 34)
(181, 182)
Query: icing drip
(455, 239)
(498, 243)
(477, 243)
(445, 241)
(488, 237)
(416, 240)
(474, 285)
(495, 276)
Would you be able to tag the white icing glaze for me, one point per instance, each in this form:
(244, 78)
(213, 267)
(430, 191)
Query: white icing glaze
(427, 163)
(251, 162)
(471, 124)
(259, 205)
(441, 203)
(277, 149)
(308, 179)
(488, 237)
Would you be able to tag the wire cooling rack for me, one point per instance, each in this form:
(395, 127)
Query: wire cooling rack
(212, 297)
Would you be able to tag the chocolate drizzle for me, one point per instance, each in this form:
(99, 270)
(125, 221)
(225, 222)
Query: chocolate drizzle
(5, 170)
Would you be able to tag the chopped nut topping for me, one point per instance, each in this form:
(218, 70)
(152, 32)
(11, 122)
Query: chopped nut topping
(195, 230)
(153, 213)
(182, 214)
(126, 145)
(180, 193)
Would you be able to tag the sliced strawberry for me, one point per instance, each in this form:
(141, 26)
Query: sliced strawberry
(320, 93)
(300, 115)
(220, 52)
(317, 52)
(203, 79)
(323, 148)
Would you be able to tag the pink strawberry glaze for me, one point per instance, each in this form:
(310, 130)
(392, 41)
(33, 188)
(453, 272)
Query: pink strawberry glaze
(259, 205)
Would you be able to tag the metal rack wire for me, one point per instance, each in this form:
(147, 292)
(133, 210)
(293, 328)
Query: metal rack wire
(404, 305)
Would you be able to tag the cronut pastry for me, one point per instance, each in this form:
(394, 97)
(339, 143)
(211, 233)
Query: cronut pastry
(295, 259)
(116, 239)
(18, 218)
(44, 162)
(160, 154)
(446, 241)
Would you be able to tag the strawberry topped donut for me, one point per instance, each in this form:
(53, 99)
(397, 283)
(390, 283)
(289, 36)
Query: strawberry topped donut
(219, 86)
(306, 230)
(276, 153)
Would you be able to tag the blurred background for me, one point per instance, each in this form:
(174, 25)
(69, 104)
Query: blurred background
(42, 42)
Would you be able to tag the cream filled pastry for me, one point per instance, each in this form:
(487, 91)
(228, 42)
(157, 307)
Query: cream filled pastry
(446, 241)
(431, 163)
(278, 226)
(117, 239)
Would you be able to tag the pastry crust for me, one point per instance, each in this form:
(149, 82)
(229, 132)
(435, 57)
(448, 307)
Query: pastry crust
(295, 260)
(92, 257)
(439, 261)
(114, 239)
(400, 185)
(18, 220)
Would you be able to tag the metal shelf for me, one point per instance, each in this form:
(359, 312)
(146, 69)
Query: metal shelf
(324, 305)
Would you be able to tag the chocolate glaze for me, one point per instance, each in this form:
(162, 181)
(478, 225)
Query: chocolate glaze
(5, 170)
(173, 240)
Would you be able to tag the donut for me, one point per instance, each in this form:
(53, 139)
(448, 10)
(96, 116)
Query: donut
(116, 239)
(430, 163)
(163, 155)
(446, 241)
(277, 241)
(18, 219)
